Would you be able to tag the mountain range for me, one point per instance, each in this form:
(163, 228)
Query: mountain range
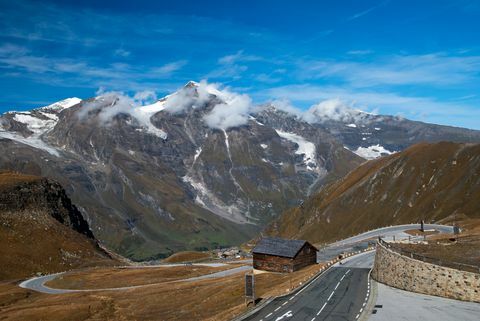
(200, 168)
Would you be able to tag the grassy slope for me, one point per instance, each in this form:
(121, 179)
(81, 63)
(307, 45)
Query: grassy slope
(426, 181)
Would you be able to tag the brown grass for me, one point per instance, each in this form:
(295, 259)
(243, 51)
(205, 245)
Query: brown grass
(417, 232)
(187, 256)
(465, 250)
(8, 178)
(104, 278)
(33, 242)
(219, 299)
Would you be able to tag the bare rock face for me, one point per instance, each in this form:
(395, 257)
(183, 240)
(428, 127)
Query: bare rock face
(45, 195)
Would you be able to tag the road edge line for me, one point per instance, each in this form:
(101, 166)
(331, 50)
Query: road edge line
(372, 299)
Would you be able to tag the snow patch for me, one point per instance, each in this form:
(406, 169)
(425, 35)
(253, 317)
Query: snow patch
(36, 125)
(209, 201)
(372, 152)
(197, 153)
(63, 104)
(32, 141)
(305, 148)
(352, 125)
(264, 146)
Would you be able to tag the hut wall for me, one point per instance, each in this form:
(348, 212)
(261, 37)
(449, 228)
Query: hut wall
(307, 256)
(272, 263)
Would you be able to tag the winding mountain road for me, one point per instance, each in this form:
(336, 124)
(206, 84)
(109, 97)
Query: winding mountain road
(38, 283)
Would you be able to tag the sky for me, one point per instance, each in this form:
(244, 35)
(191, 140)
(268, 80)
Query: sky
(416, 59)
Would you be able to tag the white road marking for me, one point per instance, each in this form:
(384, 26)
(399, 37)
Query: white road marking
(268, 315)
(313, 319)
(357, 316)
(337, 285)
(276, 309)
(284, 303)
(331, 294)
(291, 298)
(288, 314)
(323, 307)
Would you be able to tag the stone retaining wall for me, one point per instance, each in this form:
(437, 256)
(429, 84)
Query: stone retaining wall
(402, 272)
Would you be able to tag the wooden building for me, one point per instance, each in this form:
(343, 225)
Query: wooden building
(281, 255)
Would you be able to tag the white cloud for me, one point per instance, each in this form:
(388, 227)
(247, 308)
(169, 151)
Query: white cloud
(269, 79)
(286, 105)
(435, 69)
(386, 103)
(230, 114)
(169, 68)
(239, 56)
(333, 109)
(145, 96)
(122, 53)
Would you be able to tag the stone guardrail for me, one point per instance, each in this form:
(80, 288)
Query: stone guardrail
(404, 272)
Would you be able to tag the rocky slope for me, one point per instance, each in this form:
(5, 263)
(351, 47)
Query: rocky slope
(197, 169)
(427, 181)
(41, 231)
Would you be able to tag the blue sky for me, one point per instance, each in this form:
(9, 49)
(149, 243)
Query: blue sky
(418, 59)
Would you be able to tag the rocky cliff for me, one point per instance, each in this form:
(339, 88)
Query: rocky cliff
(41, 231)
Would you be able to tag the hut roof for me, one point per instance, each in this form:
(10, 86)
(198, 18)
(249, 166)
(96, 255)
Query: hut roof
(279, 247)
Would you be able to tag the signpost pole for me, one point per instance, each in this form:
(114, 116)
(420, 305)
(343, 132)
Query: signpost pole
(249, 288)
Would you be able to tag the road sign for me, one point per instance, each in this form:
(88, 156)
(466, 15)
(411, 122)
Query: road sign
(250, 286)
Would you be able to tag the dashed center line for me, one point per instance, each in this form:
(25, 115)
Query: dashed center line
(337, 285)
(331, 294)
(323, 307)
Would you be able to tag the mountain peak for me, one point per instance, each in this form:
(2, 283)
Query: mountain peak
(191, 84)
(63, 104)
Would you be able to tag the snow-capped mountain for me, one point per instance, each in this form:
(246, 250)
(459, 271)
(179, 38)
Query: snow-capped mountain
(201, 167)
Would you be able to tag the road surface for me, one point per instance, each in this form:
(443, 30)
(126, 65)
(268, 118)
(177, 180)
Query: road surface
(361, 241)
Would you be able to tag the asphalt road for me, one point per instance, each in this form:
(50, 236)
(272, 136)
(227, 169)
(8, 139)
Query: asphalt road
(361, 241)
(340, 293)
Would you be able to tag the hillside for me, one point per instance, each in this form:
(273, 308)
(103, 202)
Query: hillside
(41, 231)
(427, 181)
